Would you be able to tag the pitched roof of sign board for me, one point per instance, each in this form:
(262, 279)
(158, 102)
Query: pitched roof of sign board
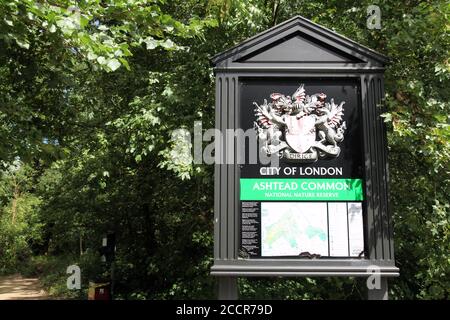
(299, 40)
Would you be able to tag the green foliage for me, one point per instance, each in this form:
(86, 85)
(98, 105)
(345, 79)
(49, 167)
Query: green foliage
(302, 289)
(51, 271)
(102, 33)
(48, 47)
(20, 224)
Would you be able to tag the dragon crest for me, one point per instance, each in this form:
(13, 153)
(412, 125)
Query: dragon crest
(300, 127)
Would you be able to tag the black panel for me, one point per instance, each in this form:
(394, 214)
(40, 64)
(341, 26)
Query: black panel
(351, 157)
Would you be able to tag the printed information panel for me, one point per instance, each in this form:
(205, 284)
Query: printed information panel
(292, 229)
(311, 203)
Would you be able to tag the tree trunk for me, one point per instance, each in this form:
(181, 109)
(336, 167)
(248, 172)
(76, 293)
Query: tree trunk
(81, 244)
(275, 12)
(14, 203)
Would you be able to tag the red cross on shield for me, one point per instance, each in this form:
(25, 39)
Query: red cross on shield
(301, 133)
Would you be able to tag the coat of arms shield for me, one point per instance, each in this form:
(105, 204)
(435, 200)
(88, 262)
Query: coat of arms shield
(300, 133)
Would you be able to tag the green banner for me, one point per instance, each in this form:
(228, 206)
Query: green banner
(302, 189)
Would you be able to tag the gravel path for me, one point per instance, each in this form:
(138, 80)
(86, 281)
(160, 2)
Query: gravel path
(15, 287)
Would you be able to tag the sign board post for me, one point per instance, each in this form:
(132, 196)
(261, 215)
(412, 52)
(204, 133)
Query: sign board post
(301, 170)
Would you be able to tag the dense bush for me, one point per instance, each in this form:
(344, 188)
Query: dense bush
(20, 223)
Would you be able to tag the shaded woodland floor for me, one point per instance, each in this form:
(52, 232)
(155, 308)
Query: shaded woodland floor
(15, 287)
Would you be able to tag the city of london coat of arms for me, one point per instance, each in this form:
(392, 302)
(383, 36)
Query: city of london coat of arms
(301, 128)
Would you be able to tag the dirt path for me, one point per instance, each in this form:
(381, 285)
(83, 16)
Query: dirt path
(15, 287)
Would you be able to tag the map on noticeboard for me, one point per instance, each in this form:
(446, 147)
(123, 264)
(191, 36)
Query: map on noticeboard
(292, 229)
(289, 229)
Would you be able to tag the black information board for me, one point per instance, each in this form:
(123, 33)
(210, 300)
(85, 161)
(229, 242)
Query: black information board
(310, 197)
(301, 207)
